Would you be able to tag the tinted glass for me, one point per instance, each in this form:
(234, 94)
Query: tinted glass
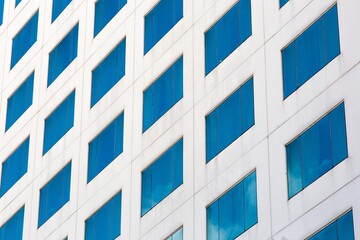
(105, 147)
(55, 194)
(230, 120)
(318, 45)
(234, 212)
(163, 94)
(59, 122)
(24, 39)
(162, 177)
(160, 20)
(19, 101)
(108, 72)
(63, 54)
(14, 167)
(105, 224)
(228, 33)
(317, 150)
(178, 235)
(13, 228)
(58, 7)
(341, 229)
(105, 10)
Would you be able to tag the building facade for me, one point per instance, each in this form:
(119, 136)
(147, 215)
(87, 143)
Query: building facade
(179, 119)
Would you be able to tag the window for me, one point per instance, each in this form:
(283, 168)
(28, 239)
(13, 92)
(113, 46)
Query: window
(105, 10)
(162, 177)
(13, 228)
(1, 11)
(63, 54)
(311, 51)
(59, 122)
(163, 94)
(58, 7)
(178, 235)
(227, 34)
(230, 120)
(108, 72)
(14, 167)
(105, 224)
(17, 2)
(341, 229)
(19, 101)
(24, 39)
(316, 151)
(283, 2)
(235, 212)
(55, 194)
(160, 20)
(105, 147)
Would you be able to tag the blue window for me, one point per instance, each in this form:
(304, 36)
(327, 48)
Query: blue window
(311, 51)
(1, 11)
(341, 229)
(63, 54)
(108, 72)
(163, 94)
(105, 147)
(19, 101)
(162, 177)
(58, 7)
(316, 151)
(55, 194)
(227, 34)
(24, 39)
(283, 2)
(105, 10)
(230, 120)
(59, 122)
(178, 235)
(160, 20)
(105, 224)
(17, 2)
(13, 228)
(14, 167)
(235, 212)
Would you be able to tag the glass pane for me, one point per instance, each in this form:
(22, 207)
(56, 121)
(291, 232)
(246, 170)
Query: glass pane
(58, 7)
(105, 147)
(250, 201)
(54, 195)
(105, 10)
(231, 213)
(20, 101)
(212, 214)
(229, 32)
(316, 151)
(63, 55)
(328, 233)
(160, 20)
(24, 39)
(345, 227)
(163, 94)
(293, 158)
(108, 72)
(331, 32)
(289, 62)
(105, 224)
(59, 122)
(338, 134)
(14, 167)
(13, 228)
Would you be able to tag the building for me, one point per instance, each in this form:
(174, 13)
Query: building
(179, 119)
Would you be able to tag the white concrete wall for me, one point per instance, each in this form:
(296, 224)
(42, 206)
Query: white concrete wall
(261, 148)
